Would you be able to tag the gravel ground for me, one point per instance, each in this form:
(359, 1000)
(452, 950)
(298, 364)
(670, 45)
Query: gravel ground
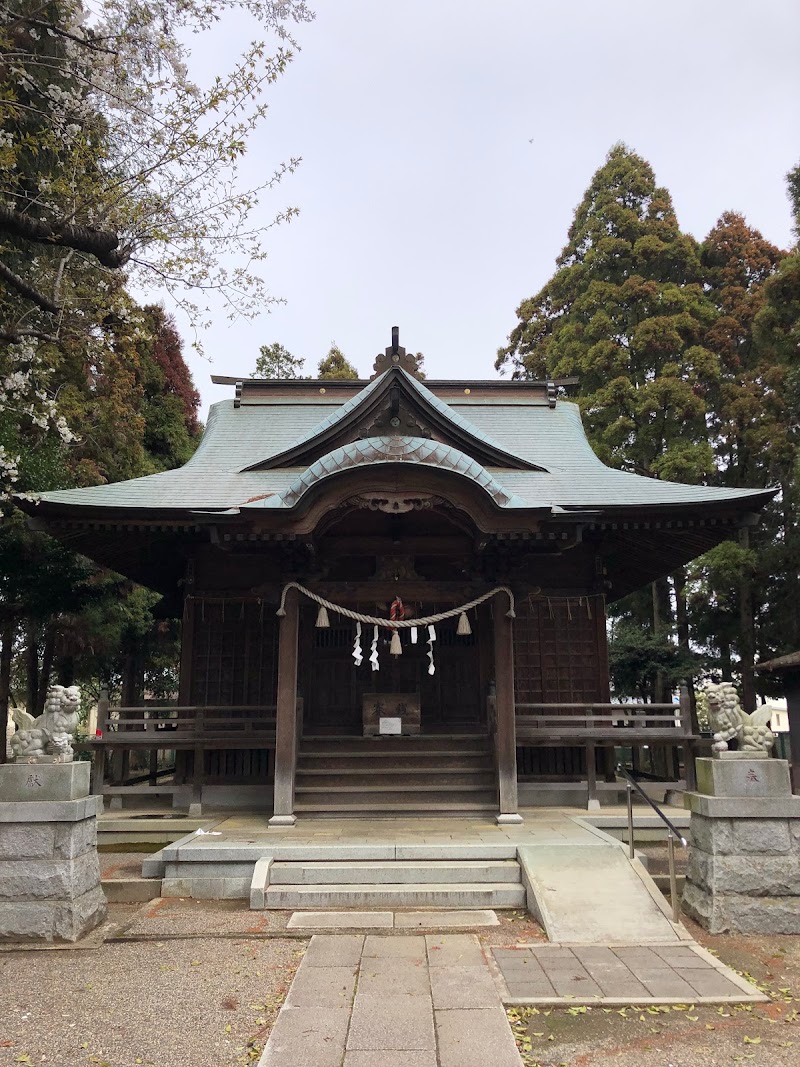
(765, 1035)
(179, 1003)
(202, 997)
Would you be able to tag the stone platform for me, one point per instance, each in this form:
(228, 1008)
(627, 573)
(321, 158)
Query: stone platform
(743, 873)
(454, 864)
(49, 873)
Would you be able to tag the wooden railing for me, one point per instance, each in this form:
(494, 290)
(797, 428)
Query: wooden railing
(186, 726)
(622, 723)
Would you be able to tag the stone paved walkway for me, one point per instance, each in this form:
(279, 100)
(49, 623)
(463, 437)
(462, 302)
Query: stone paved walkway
(591, 974)
(389, 1001)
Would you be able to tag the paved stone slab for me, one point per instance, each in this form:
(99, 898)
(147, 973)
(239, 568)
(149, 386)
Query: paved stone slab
(475, 1038)
(330, 987)
(460, 950)
(408, 947)
(347, 920)
(390, 1059)
(397, 1023)
(462, 987)
(399, 978)
(629, 974)
(343, 950)
(429, 920)
(303, 1038)
(708, 982)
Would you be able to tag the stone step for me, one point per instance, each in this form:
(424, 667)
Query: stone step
(365, 872)
(390, 895)
(396, 783)
(131, 890)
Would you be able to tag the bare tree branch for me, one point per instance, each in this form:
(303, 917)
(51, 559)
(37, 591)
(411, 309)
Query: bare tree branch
(102, 244)
(27, 290)
(14, 336)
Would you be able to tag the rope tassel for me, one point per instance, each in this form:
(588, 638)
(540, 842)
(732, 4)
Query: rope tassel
(395, 648)
(464, 628)
(323, 623)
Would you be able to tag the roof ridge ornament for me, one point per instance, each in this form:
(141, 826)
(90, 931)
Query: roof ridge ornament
(395, 356)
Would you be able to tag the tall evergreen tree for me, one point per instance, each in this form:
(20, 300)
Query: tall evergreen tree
(625, 312)
(275, 361)
(336, 364)
(753, 442)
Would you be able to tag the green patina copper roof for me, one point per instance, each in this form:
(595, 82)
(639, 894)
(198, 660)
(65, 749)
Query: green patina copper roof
(559, 470)
(391, 449)
(469, 432)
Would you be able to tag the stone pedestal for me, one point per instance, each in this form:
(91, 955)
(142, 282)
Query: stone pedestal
(49, 872)
(743, 873)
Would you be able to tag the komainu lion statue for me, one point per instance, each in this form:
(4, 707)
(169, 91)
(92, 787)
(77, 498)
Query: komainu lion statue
(52, 733)
(729, 723)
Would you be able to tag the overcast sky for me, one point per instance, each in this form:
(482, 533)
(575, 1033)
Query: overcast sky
(446, 144)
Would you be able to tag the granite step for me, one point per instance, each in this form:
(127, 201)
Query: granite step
(365, 872)
(396, 895)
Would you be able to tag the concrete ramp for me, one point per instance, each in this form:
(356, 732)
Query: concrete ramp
(593, 894)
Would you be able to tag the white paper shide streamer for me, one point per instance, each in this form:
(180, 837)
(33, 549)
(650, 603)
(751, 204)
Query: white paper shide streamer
(358, 654)
(431, 639)
(373, 655)
(413, 635)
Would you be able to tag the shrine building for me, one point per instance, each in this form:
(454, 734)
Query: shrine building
(472, 540)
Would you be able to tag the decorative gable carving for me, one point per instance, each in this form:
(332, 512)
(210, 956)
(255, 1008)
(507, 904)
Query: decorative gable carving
(395, 405)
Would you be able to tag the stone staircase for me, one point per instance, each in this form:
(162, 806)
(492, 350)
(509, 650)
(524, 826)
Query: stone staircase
(384, 884)
(395, 775)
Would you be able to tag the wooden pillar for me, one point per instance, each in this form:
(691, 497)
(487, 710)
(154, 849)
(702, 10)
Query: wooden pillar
(687, 727)
(198, 765)
(286, 715)
(506, 735)
(592, 803)
(791, 690)
(99, 767)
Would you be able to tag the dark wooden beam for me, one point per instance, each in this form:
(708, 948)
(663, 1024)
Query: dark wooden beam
(286, 715)
(505, 736)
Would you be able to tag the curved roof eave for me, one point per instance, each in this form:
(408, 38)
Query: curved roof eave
(382, 451)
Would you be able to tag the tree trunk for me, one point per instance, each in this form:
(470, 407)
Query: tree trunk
(682, 628)
(6, 649)
(747, 646)
(65, 670)
(48, 652)
(725, 661)
(792, 554)
(31, 668)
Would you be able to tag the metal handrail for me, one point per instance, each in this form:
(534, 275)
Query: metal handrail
(673, 834)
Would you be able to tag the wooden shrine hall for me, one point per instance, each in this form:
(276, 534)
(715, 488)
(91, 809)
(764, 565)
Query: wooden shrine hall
(392, 596)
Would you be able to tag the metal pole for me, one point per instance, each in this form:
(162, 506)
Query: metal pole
(673, 882)
(631, 849)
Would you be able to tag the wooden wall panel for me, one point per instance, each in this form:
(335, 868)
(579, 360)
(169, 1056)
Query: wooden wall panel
(234, 653)
(559, 651)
